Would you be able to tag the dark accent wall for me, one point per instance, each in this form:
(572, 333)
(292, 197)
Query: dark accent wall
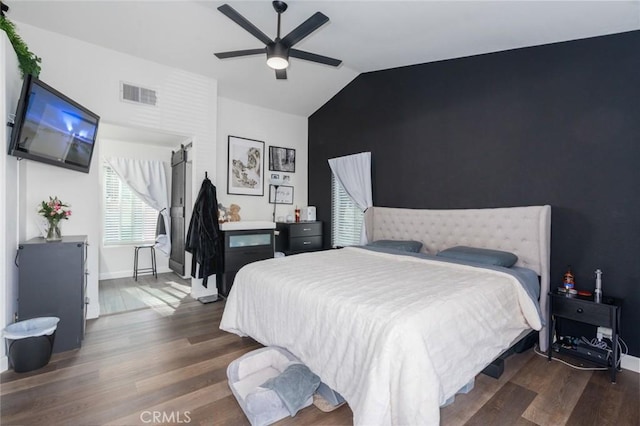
(556, 124)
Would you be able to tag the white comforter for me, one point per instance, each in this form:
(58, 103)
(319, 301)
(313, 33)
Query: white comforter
(395, 335)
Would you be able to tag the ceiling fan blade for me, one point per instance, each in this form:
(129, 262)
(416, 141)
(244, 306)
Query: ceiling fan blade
(307, 27)
(281, 74)
(295, 53)
(236, 53)
(232, 14)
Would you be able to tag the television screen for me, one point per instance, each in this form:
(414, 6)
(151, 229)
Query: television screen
(52, 128)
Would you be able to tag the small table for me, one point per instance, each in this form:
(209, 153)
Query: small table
(584, 309)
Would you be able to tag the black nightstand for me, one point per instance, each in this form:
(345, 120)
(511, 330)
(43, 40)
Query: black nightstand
(585, 310)
(298, 237)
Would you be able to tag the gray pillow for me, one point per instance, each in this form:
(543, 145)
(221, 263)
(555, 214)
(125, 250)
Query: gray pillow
(402, 245)
(480, 255)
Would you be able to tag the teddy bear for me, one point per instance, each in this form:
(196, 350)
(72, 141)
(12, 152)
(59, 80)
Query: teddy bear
(233, 215)
(223, 213)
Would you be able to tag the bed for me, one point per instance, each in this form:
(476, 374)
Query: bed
(399, 335)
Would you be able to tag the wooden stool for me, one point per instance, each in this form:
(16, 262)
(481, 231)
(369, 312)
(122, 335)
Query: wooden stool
(152, 270)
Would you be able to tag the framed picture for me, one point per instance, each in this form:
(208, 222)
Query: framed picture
(282, 159)
(285, 179)
(245, 168)
(284, 195)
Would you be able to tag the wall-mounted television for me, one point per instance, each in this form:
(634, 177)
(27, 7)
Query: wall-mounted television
(52, 128)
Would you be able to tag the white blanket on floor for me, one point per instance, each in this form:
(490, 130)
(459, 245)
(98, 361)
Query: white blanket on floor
(395, 335)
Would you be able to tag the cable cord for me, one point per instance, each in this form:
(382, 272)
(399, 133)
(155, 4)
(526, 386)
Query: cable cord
(600, 344)
(623, 350)
(577, 367)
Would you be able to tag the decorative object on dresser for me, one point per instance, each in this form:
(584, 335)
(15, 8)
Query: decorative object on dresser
(244, 242)
(52, 282)
(282, 159)
(54, 211)
(245, 168)
(604, 314)
(234, 213)
(308, 214)
(298, 237)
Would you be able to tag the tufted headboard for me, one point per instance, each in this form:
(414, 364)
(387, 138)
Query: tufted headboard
(524, 231)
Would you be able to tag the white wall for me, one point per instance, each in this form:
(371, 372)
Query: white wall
(116, 261)
(91, 75)
(274, 129)
(11, 84)
(187, 105)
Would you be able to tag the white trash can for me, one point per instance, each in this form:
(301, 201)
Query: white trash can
(30, 342)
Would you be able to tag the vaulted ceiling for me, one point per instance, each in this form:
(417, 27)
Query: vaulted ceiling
(366, 35)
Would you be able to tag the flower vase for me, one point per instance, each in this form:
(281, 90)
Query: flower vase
(53, 233)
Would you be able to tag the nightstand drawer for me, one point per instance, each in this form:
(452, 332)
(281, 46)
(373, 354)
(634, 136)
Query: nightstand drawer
(303, 229)
(238, 258)
(305, 243)
(583, 311)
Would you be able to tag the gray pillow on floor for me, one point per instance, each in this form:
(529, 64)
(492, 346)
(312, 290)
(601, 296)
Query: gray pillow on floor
(294, 386)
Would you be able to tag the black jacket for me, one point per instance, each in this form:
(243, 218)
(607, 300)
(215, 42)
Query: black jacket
(204, 239)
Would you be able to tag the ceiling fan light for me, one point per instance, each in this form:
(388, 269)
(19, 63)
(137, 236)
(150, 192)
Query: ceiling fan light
(277, 55)
(277, 63)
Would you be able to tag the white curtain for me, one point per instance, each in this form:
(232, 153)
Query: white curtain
(147, 180)
(354, 174)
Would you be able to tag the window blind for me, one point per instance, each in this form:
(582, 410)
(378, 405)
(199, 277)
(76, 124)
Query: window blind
(346, 217)
(127, 219)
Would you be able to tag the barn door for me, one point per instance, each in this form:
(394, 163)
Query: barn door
(178, 200)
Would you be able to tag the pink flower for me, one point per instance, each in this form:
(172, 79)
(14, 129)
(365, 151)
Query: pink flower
(67, 213)
(53, 213)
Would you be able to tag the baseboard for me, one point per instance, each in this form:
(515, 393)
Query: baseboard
(93, 311)
(126, 274)
(4, 363)
(631, 363)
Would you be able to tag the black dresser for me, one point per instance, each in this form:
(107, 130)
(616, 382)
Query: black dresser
(53, 282)
(298, 237)
(242, 247)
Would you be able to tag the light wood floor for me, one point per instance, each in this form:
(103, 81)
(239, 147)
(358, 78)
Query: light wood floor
(172, 358)
(126, 294)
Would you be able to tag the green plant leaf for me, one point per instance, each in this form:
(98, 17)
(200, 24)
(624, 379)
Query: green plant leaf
(28, 62)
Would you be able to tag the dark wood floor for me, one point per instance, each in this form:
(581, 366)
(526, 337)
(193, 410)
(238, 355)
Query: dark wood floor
(173, 358)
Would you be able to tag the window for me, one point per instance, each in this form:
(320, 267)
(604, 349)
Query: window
(346, 217)
(127, 219)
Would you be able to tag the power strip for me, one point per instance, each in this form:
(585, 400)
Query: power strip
(604, 332)
(592, 352)
(583, 349)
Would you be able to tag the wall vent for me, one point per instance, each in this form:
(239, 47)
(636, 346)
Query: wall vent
(137, 94)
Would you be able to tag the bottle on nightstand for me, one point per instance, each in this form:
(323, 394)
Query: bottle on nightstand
(567, 280)
(598, 291)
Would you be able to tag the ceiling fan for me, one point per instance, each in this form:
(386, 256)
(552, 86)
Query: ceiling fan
(279, 50)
